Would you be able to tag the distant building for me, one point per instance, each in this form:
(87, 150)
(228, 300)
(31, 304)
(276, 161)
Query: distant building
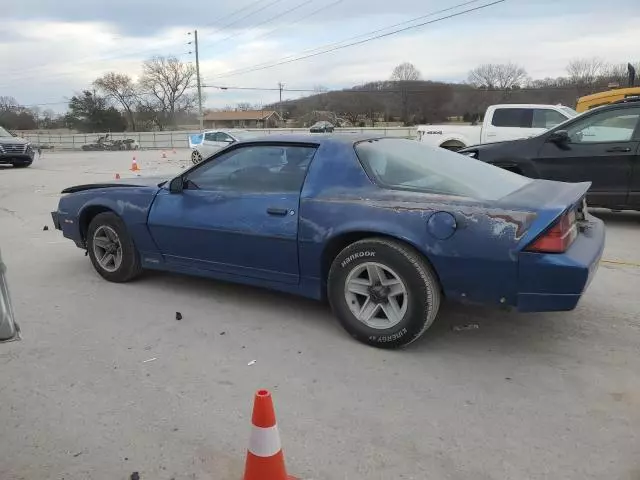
(243, 119)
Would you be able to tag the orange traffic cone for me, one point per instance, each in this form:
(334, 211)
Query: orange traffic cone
(117, 176)
(174, 151)
(134, 165)
(164, 154)
(265, 460)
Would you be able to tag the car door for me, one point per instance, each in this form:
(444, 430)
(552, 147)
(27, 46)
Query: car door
(633, 200)
(224, 139)
(507, 123)
(210, 144)
(238, 213)
(602, 148)
(544, 119)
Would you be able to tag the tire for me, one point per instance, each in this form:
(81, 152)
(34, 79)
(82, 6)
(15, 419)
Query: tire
(416, 308)
(453, 148)
(102, 228)
(196, 157)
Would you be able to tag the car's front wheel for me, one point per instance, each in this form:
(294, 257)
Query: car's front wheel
(111, 248)
(196, 157)
(383, 292)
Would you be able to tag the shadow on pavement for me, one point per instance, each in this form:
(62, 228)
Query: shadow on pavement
(458, 327)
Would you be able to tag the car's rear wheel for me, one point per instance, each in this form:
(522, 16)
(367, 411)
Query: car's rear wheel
(196, 157)
(383, 292)
(111, 248)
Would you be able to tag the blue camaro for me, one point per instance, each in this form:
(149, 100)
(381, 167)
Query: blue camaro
(385, 228)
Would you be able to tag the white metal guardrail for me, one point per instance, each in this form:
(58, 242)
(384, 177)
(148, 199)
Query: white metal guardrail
(179, 139)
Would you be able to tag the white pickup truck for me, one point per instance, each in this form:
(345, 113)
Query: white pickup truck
(501, 123)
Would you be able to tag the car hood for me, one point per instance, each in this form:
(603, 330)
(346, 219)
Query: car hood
(155, 181)
(13, 141)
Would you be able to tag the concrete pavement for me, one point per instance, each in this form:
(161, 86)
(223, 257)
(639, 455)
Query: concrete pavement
(540, 396)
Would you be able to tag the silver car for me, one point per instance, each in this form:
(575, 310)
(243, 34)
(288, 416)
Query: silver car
(9, 329)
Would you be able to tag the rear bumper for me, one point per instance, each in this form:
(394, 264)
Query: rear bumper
(556, 282)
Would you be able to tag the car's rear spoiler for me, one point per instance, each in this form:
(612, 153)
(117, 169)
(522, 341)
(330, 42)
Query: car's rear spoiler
(547, 194)
(548, 200)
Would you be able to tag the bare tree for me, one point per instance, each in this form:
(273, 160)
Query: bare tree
(166, 81)
(402, 78)
(121, 89)
(497, 76)
(619, 73)
(8, 103)
(244, 106)
(586, 73)
(406, 72)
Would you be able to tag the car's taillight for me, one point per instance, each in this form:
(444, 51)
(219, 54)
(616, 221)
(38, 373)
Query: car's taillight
(559, 237)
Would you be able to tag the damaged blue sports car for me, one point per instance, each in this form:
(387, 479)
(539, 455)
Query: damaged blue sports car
(384, 228)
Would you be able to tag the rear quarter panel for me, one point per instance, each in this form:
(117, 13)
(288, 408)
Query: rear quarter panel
(479, 262)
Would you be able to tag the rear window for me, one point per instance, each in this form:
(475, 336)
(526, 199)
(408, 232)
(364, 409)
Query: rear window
(512, 117)
(401, 164)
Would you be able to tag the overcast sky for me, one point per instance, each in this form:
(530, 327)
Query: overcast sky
(50, 50)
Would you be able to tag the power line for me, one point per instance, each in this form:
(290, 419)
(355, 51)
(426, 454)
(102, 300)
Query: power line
(426, 89)
(408, 89)
(240, 10)
(117, 57)
(270, 19)
(300, 19)
(337, 45)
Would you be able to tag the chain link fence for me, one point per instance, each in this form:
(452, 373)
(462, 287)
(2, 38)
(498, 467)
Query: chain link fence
(180, 139)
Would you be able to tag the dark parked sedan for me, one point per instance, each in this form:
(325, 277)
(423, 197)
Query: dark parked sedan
(321, 127)
(601, 146)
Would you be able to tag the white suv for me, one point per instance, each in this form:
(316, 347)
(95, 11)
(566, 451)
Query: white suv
(209, 142)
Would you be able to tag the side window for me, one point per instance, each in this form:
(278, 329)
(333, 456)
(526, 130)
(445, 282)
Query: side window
(545, 118)
(210, 136)
(258, 169)
(223, 137)
(512, 117)
(611, 126)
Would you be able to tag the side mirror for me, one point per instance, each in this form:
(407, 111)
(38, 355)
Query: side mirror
(559, 137)
(176, 185)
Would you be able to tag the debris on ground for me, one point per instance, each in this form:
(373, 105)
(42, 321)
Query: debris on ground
(150, 360)
(45, 228)
(135, 476)
(223, 333)
(252, 362)
(178, 316)
(77, 454)
(468, 326)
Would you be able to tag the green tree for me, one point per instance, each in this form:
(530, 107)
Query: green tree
(89, 112)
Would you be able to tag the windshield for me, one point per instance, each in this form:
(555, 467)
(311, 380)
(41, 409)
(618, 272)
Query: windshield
(4, 133)
(402, 164)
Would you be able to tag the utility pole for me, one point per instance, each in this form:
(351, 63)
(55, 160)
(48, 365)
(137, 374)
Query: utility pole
(200, 116)
(280, 87)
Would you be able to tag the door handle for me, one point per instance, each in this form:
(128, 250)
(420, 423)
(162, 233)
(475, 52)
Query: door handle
(619, 149)
(278, 212)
